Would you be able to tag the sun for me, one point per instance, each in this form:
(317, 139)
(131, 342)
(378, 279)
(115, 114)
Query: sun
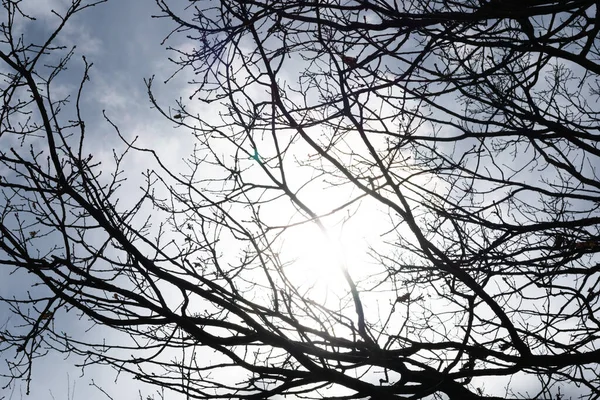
(318, 255)
(316, 258)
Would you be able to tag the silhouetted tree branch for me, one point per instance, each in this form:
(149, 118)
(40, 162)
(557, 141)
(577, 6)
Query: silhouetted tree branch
(470, 127)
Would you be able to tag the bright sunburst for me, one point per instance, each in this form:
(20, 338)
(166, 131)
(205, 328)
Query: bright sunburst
(317, 257)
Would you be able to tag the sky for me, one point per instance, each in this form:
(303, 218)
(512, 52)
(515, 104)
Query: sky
(123, 42)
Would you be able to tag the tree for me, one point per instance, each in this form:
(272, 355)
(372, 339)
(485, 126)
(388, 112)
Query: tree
(471, 126)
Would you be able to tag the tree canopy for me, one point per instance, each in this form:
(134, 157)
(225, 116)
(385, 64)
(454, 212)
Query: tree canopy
(439, 158)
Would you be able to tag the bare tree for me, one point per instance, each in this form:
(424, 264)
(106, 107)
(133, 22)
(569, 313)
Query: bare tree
(471, 126)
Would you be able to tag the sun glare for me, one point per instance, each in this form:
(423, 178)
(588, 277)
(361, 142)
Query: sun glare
(317, 258)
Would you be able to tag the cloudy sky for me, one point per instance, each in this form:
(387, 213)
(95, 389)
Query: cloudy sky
(123, 42)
